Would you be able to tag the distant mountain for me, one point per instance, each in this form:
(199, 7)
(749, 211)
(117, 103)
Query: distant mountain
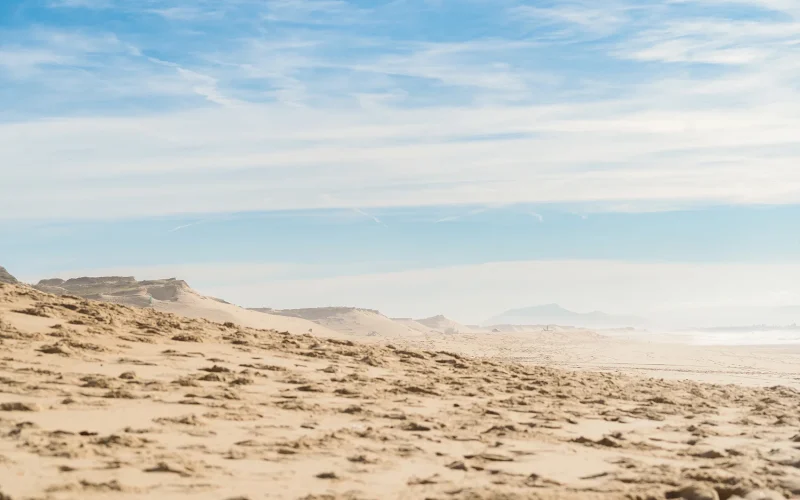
(554, 314)
(5, 277)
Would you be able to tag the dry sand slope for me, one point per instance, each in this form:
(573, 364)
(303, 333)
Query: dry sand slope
(173, 296)
(446, 325)
(350, 320)
(100, 400)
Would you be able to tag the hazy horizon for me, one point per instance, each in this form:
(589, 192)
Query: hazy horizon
(367, 291)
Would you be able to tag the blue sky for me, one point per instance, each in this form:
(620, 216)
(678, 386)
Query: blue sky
(337, 146)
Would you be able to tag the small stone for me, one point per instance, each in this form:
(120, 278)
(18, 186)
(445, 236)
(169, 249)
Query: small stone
(709, 454)
(609, 442)
(791, 485)
(495, 457)
(457, 465)
(415, 427)
(16, 406)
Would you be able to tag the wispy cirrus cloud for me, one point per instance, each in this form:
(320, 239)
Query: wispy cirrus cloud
(187, 13)
(566, 20)
(83, 4)
(314, 12)
(374, 218)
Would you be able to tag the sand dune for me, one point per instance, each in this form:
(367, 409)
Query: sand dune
(371, 323)
(100, 400)
(446, 325)
(416, 325)
(351, 321)
(174, 296)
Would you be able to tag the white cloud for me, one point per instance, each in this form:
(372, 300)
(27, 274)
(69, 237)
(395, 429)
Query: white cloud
(453, 218)
(53, 48)
(323, 12)
(331, 116)
(272, 157)
(22, 61)
(82, 4)
(725, 42)
(575, 17)
(789, 7)
(186, 226)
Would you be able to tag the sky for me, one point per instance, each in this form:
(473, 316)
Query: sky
(414, 156)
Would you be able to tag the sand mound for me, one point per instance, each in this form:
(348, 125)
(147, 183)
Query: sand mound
(5, 277)
(446, 325)
(350, 321)
(101, 400)
(174, 296)
(416, 326)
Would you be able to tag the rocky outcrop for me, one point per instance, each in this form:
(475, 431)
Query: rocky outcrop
(5, 277)
(120, 289)
(86, 286)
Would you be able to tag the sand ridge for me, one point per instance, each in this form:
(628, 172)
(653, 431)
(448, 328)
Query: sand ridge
(174, 296)
(446, 325)
(351, 321)
(100, 400)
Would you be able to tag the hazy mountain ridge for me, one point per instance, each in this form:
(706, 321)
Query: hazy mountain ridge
(557, 315)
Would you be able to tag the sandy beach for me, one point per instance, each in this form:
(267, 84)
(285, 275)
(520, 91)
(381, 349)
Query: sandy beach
(647, 354)
(102, 400)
